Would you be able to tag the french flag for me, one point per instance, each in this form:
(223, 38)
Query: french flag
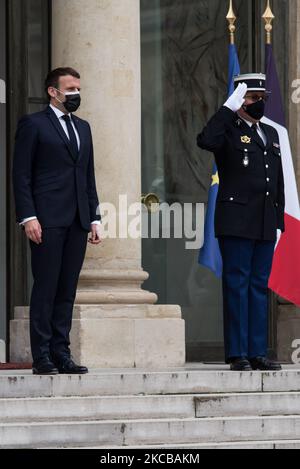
(285, 275)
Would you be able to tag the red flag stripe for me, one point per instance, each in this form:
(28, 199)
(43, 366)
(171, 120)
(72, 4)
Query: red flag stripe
(285, 276)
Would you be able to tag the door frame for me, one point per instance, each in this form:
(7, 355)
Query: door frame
(3, 207)
(18, 265)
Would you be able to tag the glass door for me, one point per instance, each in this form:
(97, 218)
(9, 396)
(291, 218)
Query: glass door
(184, 52)
(184, 81)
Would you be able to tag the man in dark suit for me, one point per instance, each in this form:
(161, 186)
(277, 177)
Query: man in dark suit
(57, 205)
(249, 210)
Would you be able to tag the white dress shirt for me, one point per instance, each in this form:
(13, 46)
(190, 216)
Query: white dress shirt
(59, 114)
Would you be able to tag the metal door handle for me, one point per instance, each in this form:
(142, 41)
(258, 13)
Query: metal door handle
(151, 201)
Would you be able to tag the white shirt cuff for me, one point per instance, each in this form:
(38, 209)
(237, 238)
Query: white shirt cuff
(27, 219)
(96, 222)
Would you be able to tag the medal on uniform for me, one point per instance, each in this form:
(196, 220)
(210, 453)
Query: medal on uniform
(246, 159)
(246, 139)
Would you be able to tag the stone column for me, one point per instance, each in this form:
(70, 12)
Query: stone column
(116, 323)
(100, 38)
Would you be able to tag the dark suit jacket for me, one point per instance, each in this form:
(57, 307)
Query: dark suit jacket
(251, 200)
(50, 182)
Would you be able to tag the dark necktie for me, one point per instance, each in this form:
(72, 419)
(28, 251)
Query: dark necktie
(72, 135)
(254, 129)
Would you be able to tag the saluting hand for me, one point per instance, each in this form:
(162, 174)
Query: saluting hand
(237, 99)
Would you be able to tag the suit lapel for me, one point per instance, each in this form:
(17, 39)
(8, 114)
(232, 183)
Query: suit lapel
(257, 139)
(80, 130)
(267, 134)
(60, 131)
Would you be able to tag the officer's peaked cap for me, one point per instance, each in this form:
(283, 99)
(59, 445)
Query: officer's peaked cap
(254, 81)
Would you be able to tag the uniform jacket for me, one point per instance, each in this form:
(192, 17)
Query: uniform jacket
(50, 182)
(250, 202)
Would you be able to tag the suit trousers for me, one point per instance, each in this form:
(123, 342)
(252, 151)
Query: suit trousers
(247, 266)
(56, 266)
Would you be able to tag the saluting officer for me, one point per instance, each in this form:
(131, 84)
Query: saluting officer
(249, 210)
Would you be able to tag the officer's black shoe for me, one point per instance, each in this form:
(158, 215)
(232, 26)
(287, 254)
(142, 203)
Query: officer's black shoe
(264, 364)
(240, 364)
(69, 367)
(44, 367)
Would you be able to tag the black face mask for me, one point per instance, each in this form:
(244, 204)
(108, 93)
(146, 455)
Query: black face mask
(72, 102)
(255, 110)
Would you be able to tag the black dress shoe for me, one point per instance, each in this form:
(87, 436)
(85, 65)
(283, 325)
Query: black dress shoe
(264, 364)
(44, 367)
(68, 367)
(240, 364)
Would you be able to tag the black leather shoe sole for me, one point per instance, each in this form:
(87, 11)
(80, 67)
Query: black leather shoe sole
(267, 368)
(51, 372)
(73, 372)
(240, 368)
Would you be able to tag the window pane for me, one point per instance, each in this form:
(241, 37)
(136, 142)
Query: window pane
(34, 107)
(37, 46)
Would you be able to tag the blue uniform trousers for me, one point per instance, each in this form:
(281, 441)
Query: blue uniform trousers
(246, 270)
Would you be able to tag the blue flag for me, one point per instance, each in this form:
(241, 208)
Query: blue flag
(210, 255)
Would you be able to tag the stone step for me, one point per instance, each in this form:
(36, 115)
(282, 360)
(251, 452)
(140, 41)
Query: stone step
(259, 404)
(148, 407)
(183, 381)
(97, 408)
(251, 445)
(149, 432)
